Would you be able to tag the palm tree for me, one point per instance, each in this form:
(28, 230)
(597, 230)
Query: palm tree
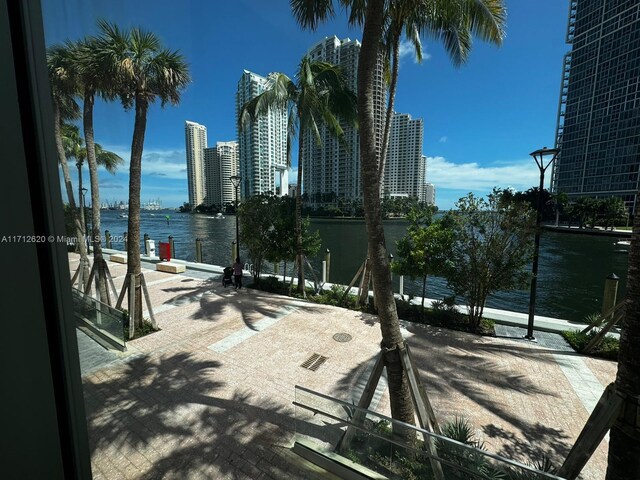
(145, 71)
(92, 78)
(452, 22)
(74, 147)
(624, 441)
(375, 17)
(61, 70)
(320, 97)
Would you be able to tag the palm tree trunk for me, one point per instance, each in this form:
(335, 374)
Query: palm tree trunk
(392, 96)
(135, 175)
(624, 446)
(299, 252)
(87, 118)
(400, 399)
(82, 248)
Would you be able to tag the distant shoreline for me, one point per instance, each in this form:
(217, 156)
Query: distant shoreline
(587, 231)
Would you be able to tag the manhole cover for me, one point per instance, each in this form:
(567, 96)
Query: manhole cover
(342, 337)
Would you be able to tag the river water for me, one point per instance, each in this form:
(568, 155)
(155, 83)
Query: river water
(571, 271)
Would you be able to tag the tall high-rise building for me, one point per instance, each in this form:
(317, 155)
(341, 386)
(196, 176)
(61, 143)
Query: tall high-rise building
(262, 142)
(404, 172)
(331, 169)
(195, 142)
(221, 163)
(598, 130)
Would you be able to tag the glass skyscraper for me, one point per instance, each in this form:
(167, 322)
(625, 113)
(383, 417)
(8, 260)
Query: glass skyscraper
(599, 113)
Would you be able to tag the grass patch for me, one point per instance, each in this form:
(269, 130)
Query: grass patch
(608, 347)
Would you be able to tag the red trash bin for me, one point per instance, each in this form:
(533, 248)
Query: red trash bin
(165, 251)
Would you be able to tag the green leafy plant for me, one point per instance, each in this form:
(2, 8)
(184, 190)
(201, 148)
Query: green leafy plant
(492, 246)
(608, 347)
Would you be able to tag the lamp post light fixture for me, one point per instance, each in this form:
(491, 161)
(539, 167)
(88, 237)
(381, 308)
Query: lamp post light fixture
(543, 157)
(235, 180)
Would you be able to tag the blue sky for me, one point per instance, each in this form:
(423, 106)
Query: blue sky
(480, 120)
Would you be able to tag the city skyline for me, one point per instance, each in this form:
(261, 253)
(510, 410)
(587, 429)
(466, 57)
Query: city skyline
(480, 121)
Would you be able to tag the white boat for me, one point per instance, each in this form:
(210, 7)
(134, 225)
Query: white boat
(219, 216)
(152, 205)
(124, 215)
(622, 246)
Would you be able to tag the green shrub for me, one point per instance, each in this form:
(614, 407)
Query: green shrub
(333, 296)
(608, 347)
(272, 284)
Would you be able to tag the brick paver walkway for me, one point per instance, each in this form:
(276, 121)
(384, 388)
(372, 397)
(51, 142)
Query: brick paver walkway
(210, 395)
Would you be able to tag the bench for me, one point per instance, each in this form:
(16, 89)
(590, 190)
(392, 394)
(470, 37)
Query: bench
(118, 258)
(170, 267)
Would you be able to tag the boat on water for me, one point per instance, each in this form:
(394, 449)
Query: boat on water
(124, 215)
(622, 246)
(152, 205)
(219, 216)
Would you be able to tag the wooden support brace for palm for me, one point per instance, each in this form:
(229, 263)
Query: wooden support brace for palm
(609, 313)
(425, 413)
(353, 281)
(600, 421)
(79, 274)
(598, 337)
(126, 288)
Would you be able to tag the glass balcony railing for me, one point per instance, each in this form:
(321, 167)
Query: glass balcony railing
(391, 449)
(99, 319)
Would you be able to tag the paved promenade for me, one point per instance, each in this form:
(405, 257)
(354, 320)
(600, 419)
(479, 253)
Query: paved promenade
(210, 395)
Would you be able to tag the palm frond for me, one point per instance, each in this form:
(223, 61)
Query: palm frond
(109, 160)
(310, 13)
(486, 19)
(169, 75)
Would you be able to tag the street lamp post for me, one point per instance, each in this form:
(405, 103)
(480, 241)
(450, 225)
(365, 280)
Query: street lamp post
(540, 156)
(86, 224)
(235, 180)
(80, 192)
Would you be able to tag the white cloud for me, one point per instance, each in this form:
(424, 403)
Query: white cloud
(408, 50)
(443, 139)
(519, 174)
(455, 180)
(169, 164)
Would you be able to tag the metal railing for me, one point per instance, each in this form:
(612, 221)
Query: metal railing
(322, 420)
(99, 319)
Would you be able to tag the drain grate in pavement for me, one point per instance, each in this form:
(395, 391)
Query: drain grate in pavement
(342, 337)
(313, 362)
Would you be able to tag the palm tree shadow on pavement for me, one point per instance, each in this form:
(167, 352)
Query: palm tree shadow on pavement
(536, 441)
(168, 417)
(454, 364)
(253, 305)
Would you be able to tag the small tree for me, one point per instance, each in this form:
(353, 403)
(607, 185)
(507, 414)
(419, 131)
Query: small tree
(586, 209)
(424, 250)
(267, 226)
(492, 244)
(256, 217)
(613, 211)
(560, 202)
